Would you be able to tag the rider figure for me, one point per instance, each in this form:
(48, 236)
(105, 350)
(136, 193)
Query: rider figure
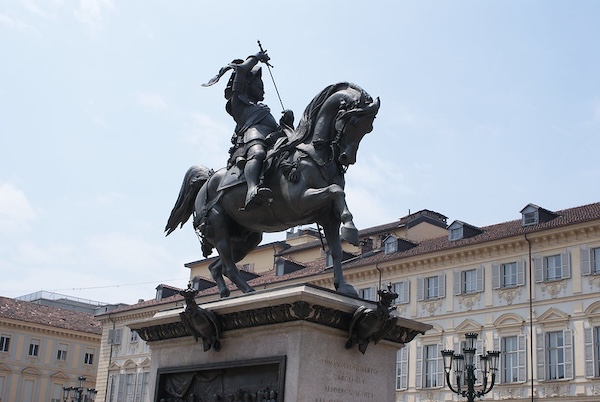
(256, 128)
(254, 124)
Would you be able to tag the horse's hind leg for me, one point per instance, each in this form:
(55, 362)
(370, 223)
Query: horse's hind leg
(240, 247)
(216, 271)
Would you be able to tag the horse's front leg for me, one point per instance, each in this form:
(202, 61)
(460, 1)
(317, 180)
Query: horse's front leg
(315, 198)
(332, 234)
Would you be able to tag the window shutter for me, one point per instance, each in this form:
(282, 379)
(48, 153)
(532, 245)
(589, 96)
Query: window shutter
(419, 368)
(497, 347)
(521, 272)
(568, 337)
(539, 269)
(588, 336)
(496, 283)
(406, 296)
(374, 295)
(522, 357)
(420, 289)
(442, 283)
(403, 365)
(457, 284)
(565, 259)
(541, 356)
(121, 389)
(111, 336)
(117, 338)
(586, 266)
(480, 278)
(480, 345)
(439, 375)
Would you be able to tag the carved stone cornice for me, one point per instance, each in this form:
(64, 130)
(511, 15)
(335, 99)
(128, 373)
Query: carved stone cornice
(292, 311)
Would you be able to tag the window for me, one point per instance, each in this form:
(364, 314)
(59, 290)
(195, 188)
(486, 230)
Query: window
(553, 267)
(129, 387)
(430, 367)
(402, 289)
(402, 369)
(512, 358)
(469, 281)
(4, 343)
(508, 275)
(112, 387)
(590, 261)
(88, 358)
(555, 355)
(27, 390)
(367, 294)
(530, 218)
(134, 337)
(61, 353)
(390, 245)
(592, 351)
(248, 267)
(57, 393)
(34, 347)
(456, 233)
(141, 387)
(433, 287)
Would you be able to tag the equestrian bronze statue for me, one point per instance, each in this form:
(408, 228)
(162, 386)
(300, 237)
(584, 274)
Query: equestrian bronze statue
(277, 177)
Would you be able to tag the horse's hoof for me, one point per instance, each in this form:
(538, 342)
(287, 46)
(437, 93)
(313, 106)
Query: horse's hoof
(346, 289)
(225, 293)
(249, 290)
(350, 234)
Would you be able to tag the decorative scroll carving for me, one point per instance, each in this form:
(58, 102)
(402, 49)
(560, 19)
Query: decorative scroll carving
(554, 288)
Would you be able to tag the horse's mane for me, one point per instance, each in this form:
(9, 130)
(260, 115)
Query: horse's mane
(307, 122)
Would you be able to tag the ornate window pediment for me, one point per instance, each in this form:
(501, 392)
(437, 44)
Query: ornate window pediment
(468, 325)
(553, 318)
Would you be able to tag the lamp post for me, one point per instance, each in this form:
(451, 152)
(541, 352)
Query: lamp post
(79, 394)
(464, 365)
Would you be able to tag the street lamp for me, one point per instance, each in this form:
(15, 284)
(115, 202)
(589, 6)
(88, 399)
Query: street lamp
(464, 365)
(79, 394)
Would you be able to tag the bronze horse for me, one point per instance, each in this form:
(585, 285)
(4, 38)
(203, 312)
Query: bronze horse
(306, 174)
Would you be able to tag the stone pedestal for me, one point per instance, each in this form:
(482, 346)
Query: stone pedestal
(293, 338)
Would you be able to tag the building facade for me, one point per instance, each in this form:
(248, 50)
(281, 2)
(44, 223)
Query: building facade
(43, 349)
(527, 287)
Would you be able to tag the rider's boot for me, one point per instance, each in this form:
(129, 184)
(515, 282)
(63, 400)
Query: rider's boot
(256, 195)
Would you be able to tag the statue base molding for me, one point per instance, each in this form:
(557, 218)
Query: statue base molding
(285, 344)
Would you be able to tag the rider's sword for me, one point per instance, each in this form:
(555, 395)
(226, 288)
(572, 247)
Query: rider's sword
(271, 74)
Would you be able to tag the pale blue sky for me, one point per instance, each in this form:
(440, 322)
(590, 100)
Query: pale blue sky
(486, 106)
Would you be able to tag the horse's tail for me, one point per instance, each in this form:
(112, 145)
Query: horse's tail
(194, 179)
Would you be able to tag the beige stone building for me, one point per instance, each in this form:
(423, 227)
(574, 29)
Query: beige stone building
(43, 349)
(528, 287)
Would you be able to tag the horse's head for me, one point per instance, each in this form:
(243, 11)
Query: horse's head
(337, 119)
(353, 120)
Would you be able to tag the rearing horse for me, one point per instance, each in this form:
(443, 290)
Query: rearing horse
(306, 174)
